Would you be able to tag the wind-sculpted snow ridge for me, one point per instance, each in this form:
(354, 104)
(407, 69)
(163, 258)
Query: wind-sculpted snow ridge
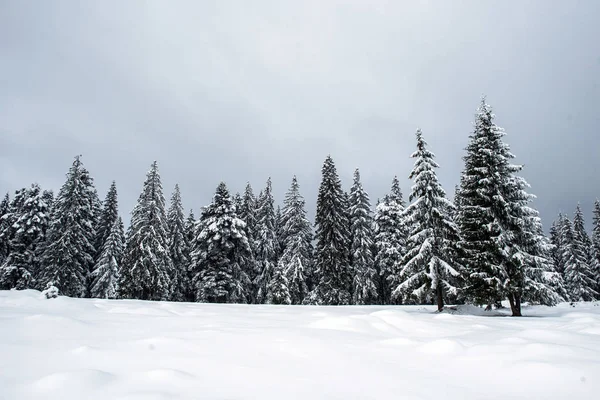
(73, 349)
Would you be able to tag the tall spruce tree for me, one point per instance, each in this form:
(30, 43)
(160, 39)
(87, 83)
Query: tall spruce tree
(494, 219)
(147, 262)
(28, 216)
(430, 267)
(179, 248)
(390, 241)
(247, 213)
(596, 245)
(579, 278)
(4, 224)
(105, 276)
(296, 235)
(364, 287)
(220, 251)
(333, 271)
(190, 234)
(69, 254)
(266, 242)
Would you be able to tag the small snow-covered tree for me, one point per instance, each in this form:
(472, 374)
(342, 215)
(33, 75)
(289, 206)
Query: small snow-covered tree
(28, 219)
(266, 242)
(147, 262)
(430, 267)
(219, 252)
(364, 288)
(333, 273)
(390, 241)
(296, 259)
(596, 245)
(278, 291)
(69, 254)
(579, 278)
(178, 247)
(51, 291)
(105, 277)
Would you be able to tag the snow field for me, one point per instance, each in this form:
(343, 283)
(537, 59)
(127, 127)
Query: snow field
(104, 349)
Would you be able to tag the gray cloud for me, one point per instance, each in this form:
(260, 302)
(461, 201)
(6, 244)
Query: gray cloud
(239, 91)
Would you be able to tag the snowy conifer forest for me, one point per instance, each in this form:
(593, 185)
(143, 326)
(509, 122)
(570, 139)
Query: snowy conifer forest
(484, 247)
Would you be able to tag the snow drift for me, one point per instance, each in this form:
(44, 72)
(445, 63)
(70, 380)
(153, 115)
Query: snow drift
(105, 349)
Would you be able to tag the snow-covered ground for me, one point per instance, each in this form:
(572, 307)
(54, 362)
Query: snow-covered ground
(100, 349)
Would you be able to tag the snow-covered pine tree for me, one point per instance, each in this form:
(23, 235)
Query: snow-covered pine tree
(493, 218)
(178, 247)
(430, 267)
(333, 273)
(108, 216)
(278, 233)
(105, 277)
(278, 291)
(4, 224)
(579, 278)
(247, 213)
(390, 241)
(296, 235)
(29, 219)
(596, 245)
(266, 242)
(238, 202)
(147, 262)
(69, 254)
(542, 283)
(558, 247)
(364, 287)
(48, 196)
(190, 234)
(219, 252)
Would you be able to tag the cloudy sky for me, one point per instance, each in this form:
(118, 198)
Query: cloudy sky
(238, 91)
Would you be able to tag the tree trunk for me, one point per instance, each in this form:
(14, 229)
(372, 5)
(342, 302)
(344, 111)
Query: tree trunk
(440, 298)
(515, 304)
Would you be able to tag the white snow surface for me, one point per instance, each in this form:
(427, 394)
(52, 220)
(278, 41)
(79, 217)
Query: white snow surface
(119, 349)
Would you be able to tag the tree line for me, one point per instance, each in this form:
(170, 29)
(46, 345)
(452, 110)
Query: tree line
(485, 247)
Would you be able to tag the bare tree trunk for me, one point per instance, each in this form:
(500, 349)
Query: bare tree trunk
(515, 304)
(440, 297)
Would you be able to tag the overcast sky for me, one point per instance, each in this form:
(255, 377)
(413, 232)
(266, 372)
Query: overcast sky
(238, 91)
